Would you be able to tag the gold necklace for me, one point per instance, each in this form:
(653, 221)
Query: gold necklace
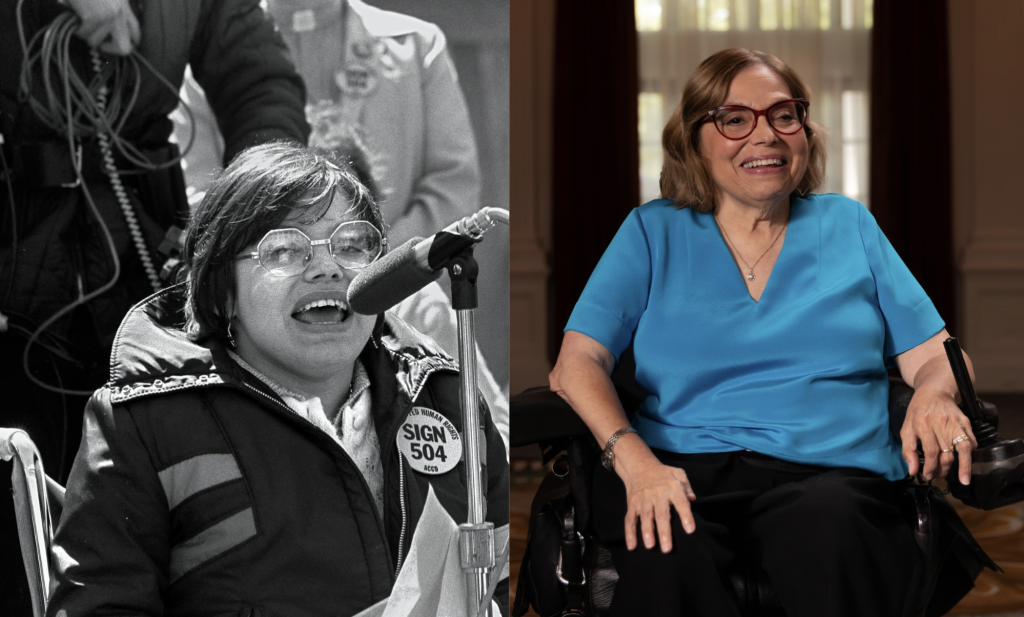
(750, 275)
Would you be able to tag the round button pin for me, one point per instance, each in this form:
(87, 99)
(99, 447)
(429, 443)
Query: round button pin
(429, 442)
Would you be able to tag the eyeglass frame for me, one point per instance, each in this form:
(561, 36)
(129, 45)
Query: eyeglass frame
(313, 243)
(757, 114)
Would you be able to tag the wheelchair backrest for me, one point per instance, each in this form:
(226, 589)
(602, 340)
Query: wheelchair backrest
(38, 501)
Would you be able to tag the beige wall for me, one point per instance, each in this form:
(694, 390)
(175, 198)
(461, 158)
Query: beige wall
(532, 25)
(987, 78)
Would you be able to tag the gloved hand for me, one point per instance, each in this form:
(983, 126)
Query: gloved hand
(108, 24)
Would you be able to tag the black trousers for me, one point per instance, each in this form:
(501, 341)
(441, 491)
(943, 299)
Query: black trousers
(832, 541)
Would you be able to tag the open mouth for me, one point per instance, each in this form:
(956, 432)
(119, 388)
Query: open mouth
(322, 312)
(755, 164)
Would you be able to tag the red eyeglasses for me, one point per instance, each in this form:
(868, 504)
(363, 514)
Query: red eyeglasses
(737, 122)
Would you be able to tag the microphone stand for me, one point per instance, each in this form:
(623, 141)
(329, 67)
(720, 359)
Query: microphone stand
(476, 536)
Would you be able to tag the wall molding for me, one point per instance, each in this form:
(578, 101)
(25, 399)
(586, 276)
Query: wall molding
(531, 99)
(994, 250)
(986, 64)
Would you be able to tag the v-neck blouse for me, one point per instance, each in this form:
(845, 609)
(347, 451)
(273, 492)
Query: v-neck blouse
(801, 374)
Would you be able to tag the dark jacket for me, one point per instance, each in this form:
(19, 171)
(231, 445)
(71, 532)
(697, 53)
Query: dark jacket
(196, 491)
(241, 61)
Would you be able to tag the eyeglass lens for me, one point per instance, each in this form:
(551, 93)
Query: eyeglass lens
(355, 244)
(786, 117)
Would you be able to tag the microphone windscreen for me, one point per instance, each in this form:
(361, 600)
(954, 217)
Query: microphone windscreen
(389, 280)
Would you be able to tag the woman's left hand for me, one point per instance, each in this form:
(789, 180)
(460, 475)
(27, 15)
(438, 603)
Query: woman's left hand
(934, 420)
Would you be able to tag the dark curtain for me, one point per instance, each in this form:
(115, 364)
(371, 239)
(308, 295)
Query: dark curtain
(911, 167)
(596, 177)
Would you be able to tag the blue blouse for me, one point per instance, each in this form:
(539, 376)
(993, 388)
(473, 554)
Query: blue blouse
(800, 375)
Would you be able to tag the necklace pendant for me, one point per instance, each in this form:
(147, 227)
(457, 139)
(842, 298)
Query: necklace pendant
(751, 276)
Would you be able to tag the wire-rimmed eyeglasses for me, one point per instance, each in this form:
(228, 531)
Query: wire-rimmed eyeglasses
(737, 122)
(288, 252)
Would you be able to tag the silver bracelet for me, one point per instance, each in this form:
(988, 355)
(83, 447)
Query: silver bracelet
(607, 456)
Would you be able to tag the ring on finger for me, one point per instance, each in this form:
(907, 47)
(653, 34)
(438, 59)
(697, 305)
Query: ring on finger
(947, 450)
(962, 437)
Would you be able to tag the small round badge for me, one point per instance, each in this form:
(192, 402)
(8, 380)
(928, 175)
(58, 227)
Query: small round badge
(362, 49)
(429, 442)
(356, 80)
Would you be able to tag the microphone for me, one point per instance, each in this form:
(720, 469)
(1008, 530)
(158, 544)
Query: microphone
(417, 263)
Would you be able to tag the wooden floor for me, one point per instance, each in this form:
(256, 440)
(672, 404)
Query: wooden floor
(1000, 532)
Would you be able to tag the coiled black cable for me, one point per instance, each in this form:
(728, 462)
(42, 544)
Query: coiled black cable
(81, 110)
(72, 107)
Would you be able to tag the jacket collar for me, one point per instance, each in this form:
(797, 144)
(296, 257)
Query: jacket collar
(380, 23)
(364, 21)
(152, 355)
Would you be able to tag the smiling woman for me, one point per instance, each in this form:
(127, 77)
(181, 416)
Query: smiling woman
(762, 318)
(288, 316)
(251, 453)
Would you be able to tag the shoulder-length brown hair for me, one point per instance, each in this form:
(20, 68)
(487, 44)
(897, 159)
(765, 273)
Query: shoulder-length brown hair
(685, 175)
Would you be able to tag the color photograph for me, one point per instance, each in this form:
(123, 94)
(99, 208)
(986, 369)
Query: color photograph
(767, 285)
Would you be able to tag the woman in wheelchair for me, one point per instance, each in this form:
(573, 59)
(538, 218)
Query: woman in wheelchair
(763, 318)
(244, 458)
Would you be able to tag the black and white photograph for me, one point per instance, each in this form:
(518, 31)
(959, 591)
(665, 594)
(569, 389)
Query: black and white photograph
(254, 341)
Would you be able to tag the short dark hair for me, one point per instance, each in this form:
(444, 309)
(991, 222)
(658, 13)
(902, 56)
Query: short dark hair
(260, 188)
(364, 163)
(685, 174)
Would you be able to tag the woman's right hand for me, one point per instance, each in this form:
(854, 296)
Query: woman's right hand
(652, 490)
(108, 24)
(580, 376)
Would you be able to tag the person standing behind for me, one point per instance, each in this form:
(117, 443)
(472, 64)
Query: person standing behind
(53, 244)
(395, 79)
(391, 77)
(71, 244)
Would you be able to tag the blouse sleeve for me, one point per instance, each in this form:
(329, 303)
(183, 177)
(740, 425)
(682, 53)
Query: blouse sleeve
(909, 315)
(616, 295)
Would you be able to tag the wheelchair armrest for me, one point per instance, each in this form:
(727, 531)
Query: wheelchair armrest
(539, 415)
(899, 399)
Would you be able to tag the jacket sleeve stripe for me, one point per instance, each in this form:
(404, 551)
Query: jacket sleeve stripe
(211, 542)
(207, 508)
(184, 479)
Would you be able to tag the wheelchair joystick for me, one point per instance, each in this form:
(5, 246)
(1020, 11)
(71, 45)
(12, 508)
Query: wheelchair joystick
(997, 465)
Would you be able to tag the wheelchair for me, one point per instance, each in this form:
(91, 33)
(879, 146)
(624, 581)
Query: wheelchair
(38, 502)
(566, 570)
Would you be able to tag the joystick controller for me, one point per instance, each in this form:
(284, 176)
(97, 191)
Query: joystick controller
(997, 465)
